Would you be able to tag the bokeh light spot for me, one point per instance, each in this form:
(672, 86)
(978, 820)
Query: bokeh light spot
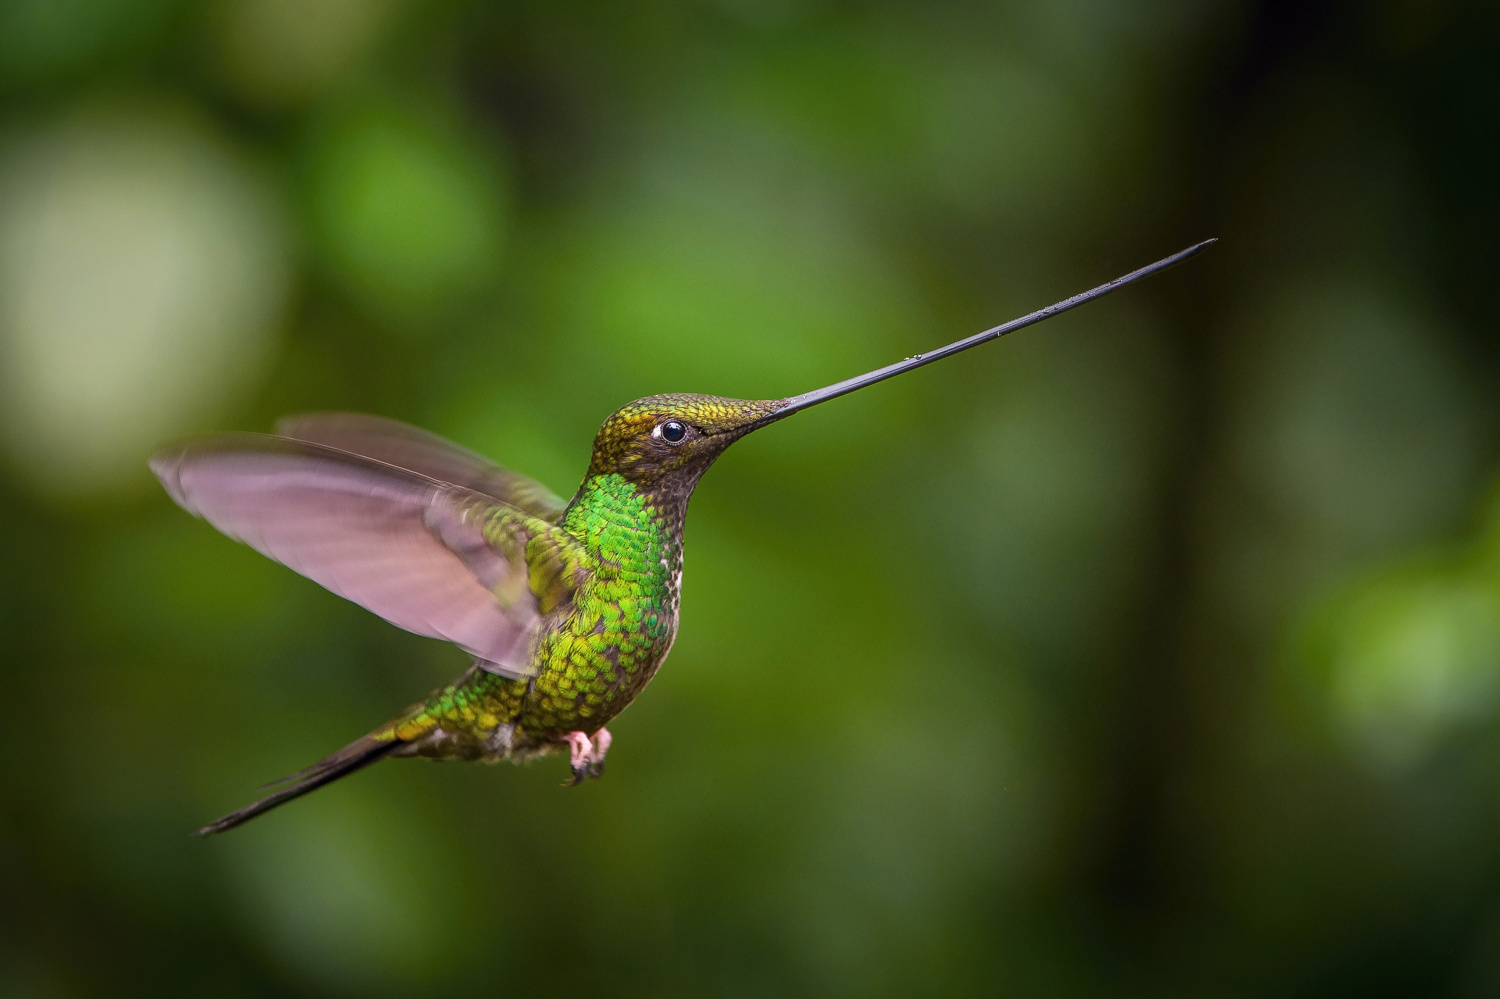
(1414, 660)
(143, 269)
(406, 213)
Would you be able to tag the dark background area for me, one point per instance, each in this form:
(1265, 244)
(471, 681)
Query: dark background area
(1152, 651)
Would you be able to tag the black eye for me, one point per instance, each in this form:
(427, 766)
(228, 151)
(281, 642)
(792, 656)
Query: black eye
(672, 432)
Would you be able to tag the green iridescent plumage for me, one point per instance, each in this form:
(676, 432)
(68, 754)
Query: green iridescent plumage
(597, 657)
(568, 610)
(591, 589)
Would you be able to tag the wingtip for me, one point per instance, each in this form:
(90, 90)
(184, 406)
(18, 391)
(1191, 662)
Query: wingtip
(163, 459)
(170, 461)
(166, 465)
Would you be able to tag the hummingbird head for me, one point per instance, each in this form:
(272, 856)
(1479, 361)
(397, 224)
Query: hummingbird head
(674, 438)
(667, 442)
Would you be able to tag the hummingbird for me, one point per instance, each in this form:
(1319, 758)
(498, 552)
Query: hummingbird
(568, 609)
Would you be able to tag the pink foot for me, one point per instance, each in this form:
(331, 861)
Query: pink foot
(580, 749)
(587, 757)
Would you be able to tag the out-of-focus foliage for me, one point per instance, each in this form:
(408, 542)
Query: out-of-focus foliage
(1154, 651)
(142, 268)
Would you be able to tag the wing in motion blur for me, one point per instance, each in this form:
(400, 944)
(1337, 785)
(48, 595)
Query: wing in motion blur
(413, 448)
(436, 558)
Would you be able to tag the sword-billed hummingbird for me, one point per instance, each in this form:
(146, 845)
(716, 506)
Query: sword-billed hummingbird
(568, 609)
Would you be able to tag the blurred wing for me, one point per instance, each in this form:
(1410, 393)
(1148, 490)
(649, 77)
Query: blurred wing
(409, 447)
(436, 559)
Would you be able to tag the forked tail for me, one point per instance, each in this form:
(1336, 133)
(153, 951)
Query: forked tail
(355, 756)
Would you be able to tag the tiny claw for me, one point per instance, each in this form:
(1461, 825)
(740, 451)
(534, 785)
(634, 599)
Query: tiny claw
(586, 756)
(580, 752)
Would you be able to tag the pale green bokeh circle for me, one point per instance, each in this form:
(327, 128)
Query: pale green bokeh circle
(143, 272)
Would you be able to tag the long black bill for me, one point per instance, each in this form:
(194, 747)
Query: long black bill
(806, 399)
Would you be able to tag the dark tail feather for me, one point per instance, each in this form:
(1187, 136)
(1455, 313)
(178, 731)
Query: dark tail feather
(355, 756)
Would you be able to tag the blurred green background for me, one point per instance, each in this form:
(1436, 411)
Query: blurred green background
(1151, 652)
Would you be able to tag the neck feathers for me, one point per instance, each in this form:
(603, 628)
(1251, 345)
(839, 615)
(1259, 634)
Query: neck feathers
(615, 517)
